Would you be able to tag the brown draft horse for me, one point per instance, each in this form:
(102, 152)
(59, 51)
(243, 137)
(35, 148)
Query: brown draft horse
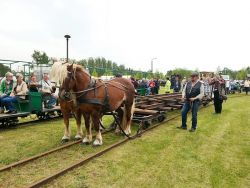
(57, 74)
(93, 98)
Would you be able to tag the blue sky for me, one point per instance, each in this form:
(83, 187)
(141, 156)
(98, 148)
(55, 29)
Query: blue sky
(190, 34)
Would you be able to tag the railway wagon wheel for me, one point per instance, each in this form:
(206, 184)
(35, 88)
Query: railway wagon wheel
(146, 124)
(161, 118)
(8, 122)
(59, 113)
(41, 115)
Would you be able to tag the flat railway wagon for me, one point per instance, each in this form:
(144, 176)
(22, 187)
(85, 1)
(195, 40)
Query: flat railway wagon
(154, 108)
(32, 104)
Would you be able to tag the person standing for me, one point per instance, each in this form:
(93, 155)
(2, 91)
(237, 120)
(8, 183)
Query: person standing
(134, 82)
(167, 86)
(152, 87)
(177, 84)
(227, 86)
(218, 84)
(247, 85)
(192, 94)
(157, 86)
(183, 83)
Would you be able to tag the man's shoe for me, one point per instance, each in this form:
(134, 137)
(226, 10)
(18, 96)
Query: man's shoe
(180, 127)
(192, 130)
(11, 112)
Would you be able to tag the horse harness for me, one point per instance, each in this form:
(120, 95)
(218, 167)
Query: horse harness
(92, 86)
(67, 95)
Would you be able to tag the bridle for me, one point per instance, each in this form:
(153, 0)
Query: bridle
(71, 76)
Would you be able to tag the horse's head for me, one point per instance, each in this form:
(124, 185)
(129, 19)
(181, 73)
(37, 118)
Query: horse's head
(69, 82)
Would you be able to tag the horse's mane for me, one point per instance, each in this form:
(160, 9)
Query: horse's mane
(59, 72)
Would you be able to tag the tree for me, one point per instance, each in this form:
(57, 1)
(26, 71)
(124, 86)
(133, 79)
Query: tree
(241, 74)
(180, 71)
(94, 73)
(3, 70)
(139, 75)
(40, 57)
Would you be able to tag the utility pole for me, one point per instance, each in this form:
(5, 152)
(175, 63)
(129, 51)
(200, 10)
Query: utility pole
(67, 48)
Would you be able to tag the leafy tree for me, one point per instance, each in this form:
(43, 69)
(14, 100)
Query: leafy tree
(40, 57)
(180, 71)
(139, 75)
(241, 74)
(109, 72)
(94, 73)
(158, 75)
(3, 70)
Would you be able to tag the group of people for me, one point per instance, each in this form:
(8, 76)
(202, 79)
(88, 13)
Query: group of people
(151, 86)
(193, 92)
(15, 88)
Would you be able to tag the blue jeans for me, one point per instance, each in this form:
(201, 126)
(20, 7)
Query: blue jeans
(7, 102)
(49, 101)
(1, 101)
(186, 107)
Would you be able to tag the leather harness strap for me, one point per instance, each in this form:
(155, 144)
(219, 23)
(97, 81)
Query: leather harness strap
(92, 86)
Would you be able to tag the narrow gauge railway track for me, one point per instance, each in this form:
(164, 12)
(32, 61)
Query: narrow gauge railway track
(31, 122)
(93, 156)
(35, 157)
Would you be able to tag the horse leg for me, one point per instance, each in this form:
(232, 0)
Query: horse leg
(128, 116)
(66, 136)
(98, 139)
(88, 138)
(120, 116)
(79, 125)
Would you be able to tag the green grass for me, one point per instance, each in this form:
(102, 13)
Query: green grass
(217, 155)
(22, 142)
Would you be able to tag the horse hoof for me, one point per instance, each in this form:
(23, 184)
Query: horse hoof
(97, 142)
(78, 137)
(86, 141)
(65, 139)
